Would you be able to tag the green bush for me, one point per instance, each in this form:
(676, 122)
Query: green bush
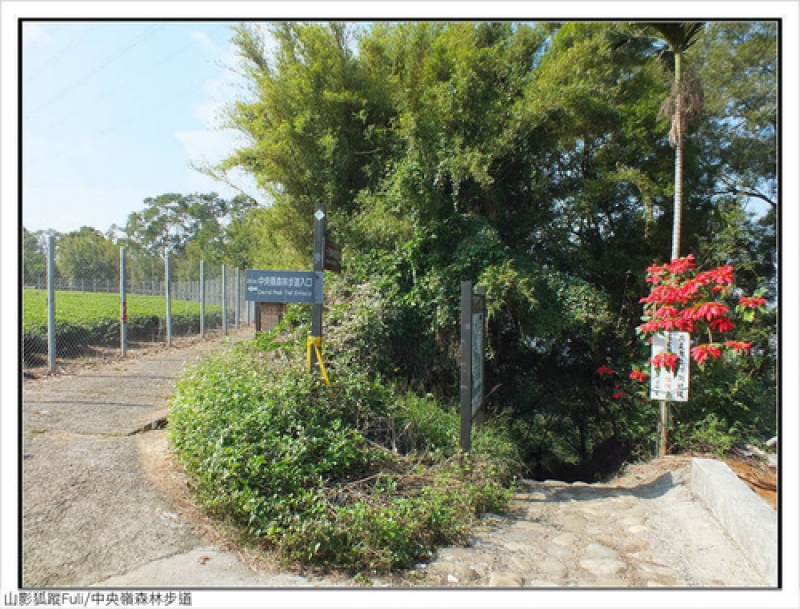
(360, 476)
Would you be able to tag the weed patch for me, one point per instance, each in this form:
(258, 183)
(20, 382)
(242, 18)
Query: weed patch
(364, 477)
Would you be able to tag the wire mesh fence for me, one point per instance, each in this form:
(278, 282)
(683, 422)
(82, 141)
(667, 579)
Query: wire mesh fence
(90, 317)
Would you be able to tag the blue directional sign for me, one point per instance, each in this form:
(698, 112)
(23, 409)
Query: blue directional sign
(283, 286)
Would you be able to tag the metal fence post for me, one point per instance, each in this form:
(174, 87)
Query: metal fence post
(123, 323)
(169, 301)
(236, 299)
(202, 298)
(51, 303)
(224, 303)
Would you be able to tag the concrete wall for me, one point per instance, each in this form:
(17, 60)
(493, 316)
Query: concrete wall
(748, 519)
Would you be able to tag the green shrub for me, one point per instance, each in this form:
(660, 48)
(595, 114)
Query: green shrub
(358, 476)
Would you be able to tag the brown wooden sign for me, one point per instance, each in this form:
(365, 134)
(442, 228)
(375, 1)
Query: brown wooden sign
(333, 256)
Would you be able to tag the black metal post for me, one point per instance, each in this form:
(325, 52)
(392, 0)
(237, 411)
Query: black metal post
(466, 366)
(319, 261)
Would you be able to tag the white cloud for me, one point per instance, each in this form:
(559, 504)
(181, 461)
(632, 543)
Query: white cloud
(65, 206)
(209, 147)
(205, 41)
(33, 32)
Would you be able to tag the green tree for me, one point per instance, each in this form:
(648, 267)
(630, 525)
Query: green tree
(34, 257)
(511, 154)
(190, 228)
(684, 103)
(308, 124)
(739, 64)
(86, 254)
(686, 96)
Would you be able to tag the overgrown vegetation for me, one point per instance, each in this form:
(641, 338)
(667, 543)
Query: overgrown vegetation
(363, 476)
(530, 158)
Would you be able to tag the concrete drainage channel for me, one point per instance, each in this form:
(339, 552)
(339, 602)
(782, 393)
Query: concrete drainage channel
(750, 522)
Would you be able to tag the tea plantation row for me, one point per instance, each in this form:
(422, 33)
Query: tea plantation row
(88, 318)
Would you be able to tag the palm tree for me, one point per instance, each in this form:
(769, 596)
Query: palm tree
(685, 100)
(683, 105)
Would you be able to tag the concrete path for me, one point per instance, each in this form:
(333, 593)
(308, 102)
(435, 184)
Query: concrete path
(102, 507)
(91, 514)
(645, 530)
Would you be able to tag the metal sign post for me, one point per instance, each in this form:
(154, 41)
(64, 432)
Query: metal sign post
(300, 286)
(473, 340)
(667, 385)
(51, 304)
(168, 295)
(319, 265)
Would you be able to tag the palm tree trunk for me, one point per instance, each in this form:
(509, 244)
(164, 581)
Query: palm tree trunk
(663, 431)
(678, 143)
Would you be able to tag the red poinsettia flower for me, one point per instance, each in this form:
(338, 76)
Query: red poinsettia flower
(638, 375)
(604, 370)
(654, 273)
(752, 302)
(738, 345)
(689, 289)
(722, 324)
(666, 311)
(665, 360)
(681, 265)
(710, 310)
(722, 275)
(619, 394)
(651, 326)
(702, 352)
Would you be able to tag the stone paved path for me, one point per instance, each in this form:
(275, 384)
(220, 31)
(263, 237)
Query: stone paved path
(643, 530)
(94, 514)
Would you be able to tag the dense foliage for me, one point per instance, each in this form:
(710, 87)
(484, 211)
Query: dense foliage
(361, 475)
(533, 159)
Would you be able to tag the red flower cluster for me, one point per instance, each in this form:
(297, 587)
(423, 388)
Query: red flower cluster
(665, 360)
(677, 303)
(638, 375)
(604, 370)
(738, 345)
(702, 352)
(685, 300)
(752, 302)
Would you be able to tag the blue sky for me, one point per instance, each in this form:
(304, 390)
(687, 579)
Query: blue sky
(114, 112)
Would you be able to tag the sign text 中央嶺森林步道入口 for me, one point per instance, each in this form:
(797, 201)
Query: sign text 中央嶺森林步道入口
(283, 286)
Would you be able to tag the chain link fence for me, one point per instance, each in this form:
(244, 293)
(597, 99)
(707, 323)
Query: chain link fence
(86, 317)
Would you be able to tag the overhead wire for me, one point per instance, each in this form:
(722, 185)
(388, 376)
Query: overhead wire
(138, 39)
(60, 122)
(59, 55)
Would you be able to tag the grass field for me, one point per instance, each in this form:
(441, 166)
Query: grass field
(91, 318)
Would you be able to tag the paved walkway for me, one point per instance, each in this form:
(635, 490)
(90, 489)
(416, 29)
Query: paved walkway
(95, 512)
(643, 531)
